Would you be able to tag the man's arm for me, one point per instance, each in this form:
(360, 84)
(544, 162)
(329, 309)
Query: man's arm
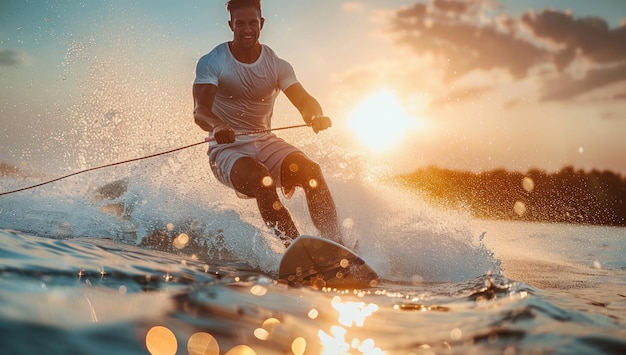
(309, 107)
(203, 96)
(304, 102)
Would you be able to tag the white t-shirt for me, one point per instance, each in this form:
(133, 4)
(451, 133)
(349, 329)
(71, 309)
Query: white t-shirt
(245, 92)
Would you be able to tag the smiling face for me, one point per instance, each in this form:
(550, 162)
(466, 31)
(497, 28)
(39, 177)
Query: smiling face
(246, 24)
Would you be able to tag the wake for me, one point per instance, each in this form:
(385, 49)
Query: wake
(154, 202)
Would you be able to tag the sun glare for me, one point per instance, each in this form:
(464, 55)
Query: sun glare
(380, 121)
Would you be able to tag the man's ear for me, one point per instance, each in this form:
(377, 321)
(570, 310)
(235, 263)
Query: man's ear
(230, 24)
(262, 22)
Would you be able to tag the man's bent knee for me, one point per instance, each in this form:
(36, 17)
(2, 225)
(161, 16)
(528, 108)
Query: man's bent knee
(299, 170)
(250, 177)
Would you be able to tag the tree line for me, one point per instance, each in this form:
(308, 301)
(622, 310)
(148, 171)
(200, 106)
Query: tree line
(8, 170)
(569, 195)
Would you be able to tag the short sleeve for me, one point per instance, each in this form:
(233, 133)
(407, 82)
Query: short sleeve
(286, 74)
(208, 69)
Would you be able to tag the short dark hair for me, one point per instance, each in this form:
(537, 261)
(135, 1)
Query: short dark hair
(240, 4)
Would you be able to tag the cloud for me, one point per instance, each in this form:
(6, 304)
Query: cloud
(584, 53)
(452, 30)
(591, 37)
(565, 87)
(12, 57)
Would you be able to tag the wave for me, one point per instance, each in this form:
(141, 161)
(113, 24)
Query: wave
(155, 202)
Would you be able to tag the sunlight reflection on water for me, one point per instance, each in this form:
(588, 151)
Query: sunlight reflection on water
(350, 313)
(340, 338)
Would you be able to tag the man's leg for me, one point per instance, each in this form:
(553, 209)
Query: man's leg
(252, 178)
(298, 170)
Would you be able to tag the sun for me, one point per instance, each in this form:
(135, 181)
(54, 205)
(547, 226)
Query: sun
(380, 121)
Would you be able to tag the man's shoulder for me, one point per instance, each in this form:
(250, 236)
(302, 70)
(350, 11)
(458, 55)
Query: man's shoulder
(271, 56)
(217, 55)
(210, 65)
(269, 51)
(219, 49)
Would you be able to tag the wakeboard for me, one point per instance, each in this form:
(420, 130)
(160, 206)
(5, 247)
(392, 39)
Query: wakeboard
(323, 263)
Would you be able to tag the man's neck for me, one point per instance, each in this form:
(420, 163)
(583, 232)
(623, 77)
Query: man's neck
(245, 55)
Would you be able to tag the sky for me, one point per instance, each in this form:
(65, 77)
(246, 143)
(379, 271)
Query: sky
(462, 84)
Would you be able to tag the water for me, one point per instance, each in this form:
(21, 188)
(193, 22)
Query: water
(93, 270)
(87, 264)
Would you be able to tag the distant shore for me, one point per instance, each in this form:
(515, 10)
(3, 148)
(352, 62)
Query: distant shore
(9, 170)
(567, 196)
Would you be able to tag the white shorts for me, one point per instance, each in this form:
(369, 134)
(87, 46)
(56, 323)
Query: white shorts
(266, 148)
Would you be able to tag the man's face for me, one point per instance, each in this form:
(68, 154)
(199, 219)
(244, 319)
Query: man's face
(246, 24)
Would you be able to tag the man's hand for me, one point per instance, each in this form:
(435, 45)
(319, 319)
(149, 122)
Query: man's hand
(223, 134)
(320, 123)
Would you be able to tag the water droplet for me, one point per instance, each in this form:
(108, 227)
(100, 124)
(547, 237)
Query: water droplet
(313, 313)
(241, 350)
(202, 343)
(456, 334)
(267, 181)
(181, 241)
(298, 346)
(261, 334)
(161, 340)
(528, 184)
(519, 208)
(258, 290)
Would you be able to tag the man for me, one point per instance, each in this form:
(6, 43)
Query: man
(234, 91)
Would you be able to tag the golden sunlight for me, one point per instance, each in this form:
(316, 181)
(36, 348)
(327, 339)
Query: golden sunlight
(380, 121)
(338, 341)
(353, 313)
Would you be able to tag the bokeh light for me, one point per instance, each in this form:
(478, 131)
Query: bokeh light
(160, 340)
(202, 343)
